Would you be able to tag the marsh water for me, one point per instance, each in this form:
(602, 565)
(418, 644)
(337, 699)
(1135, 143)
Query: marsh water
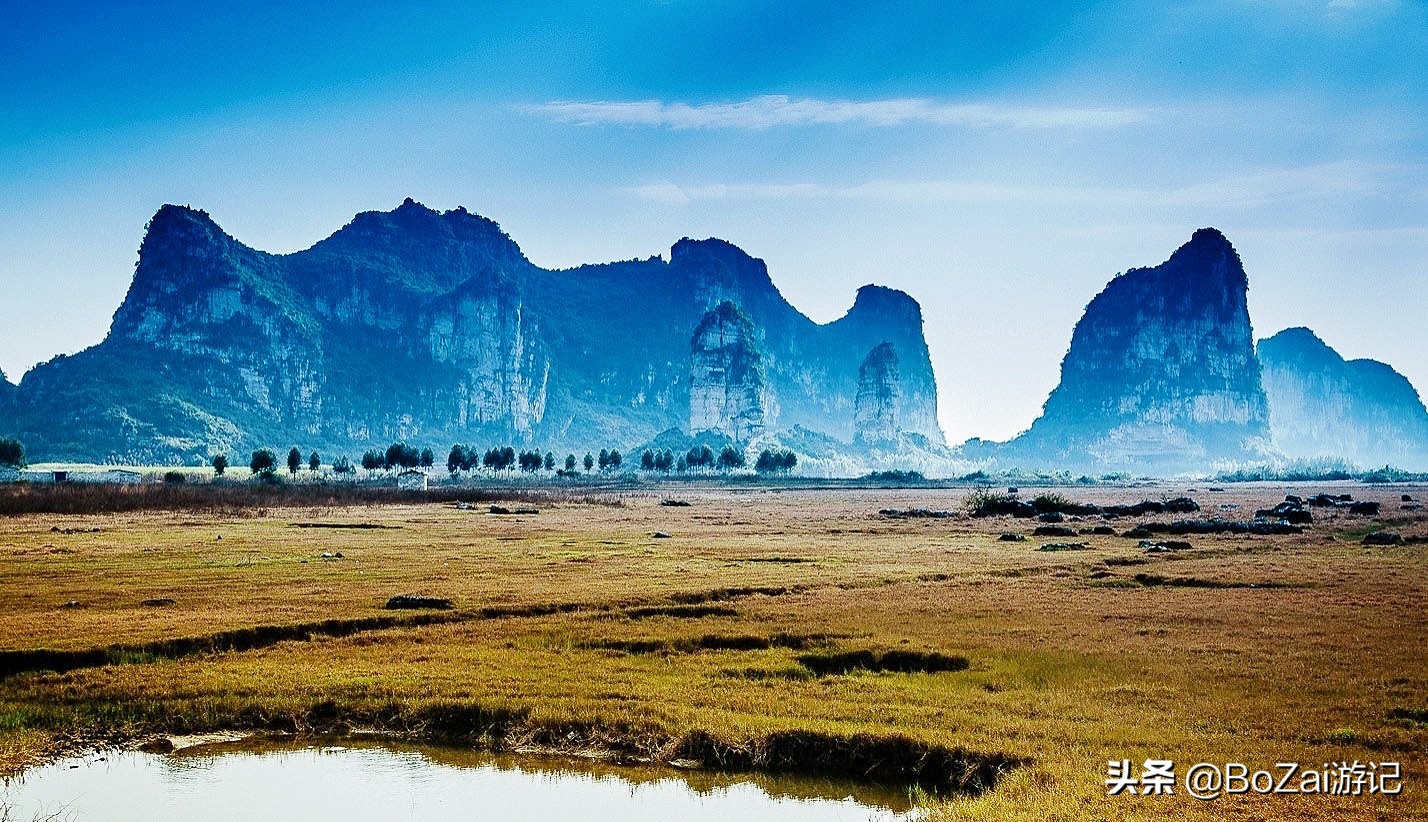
(357, 781)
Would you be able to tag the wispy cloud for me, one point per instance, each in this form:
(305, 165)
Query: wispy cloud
(772, 111)
(1251, 189)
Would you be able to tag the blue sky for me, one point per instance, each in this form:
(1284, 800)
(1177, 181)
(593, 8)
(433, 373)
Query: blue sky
(999, 161)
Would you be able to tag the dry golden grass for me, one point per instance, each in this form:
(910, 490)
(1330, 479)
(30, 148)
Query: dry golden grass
(1072, 662)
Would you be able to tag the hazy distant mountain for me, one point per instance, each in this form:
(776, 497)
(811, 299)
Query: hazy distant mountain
(1321, 405)
(1161, 374)
(434, 328)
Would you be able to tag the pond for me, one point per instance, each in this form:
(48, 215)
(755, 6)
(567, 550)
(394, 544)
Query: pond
(354, 781)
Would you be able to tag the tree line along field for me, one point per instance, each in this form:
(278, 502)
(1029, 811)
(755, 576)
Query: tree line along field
(757, 626)
(462, 460)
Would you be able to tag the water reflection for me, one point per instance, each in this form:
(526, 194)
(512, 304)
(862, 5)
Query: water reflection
(356, 781)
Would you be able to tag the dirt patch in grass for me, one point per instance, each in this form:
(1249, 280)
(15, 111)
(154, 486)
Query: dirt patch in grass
(356, 526)
(15, 662)
(1152, 580)
(894, 661)
(1417, 715)
(726, 594)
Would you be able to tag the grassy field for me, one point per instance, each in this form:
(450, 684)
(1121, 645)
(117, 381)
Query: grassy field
(751, 635)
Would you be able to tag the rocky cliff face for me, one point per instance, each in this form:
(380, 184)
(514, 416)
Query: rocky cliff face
(1161, 373)
(1321, 405)
(879, 397)
(434, 328)
(727, 391)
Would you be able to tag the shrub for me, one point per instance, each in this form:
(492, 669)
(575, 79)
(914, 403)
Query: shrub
(12, 453)
(175, 477)
(896, 475)
(1046, 503)
(984, 502)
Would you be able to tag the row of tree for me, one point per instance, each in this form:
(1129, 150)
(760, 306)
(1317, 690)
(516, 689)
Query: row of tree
(398, 455)
(464, 458)
(775, 462)
(502, 458)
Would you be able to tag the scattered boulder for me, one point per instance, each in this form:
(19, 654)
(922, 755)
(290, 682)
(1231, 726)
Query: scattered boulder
(660, 535)
(332, 555)
(1330, 500)
(1053, 531)
(1366, 508)
(914, 513)
(1411, 506)
(1100, 530)
(1011, 537)
(1065, 546)
(1049, 504)
(498, 509)
(73, 603)
(1051, 516)
(674, 503)
(1294, 498)
(415, 601)
(1259, 526)
(1405, 498)
(1181, 505)
(1164, 546)
(1383, 538)
(159, 602)
(1265, 527)
(1288, 511)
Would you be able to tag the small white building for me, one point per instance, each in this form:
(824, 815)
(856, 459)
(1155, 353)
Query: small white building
(44, 477)
(111, 476)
